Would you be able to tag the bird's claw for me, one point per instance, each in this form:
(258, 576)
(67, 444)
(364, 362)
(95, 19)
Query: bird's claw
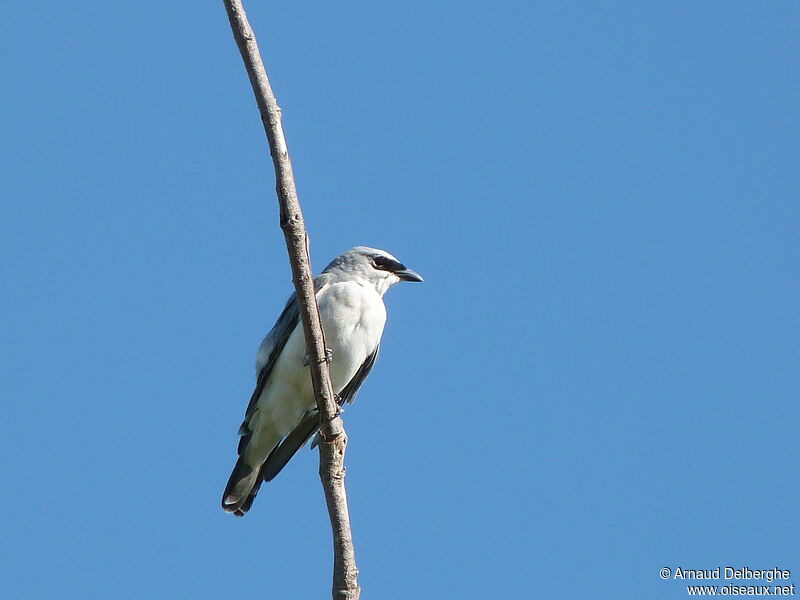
(328, 358)
(339, 405)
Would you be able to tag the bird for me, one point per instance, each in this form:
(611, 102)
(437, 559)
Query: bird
(282, 414)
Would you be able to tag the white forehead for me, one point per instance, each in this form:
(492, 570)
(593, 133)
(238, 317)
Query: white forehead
(367, 251)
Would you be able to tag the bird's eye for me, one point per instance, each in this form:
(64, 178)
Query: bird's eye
(383, 263)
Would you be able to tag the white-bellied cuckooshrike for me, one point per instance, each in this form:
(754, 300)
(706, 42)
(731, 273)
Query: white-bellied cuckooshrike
(282, 414)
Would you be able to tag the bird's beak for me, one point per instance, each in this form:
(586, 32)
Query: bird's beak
(408, 275)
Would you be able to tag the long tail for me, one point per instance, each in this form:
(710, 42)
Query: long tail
(246, 480)
(242, 488)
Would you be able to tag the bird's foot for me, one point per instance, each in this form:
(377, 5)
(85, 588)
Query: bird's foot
(339, 407)
(328, 358)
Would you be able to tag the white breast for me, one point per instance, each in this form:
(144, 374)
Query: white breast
(353, 317)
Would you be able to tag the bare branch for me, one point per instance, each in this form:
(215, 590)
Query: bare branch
(334, 438)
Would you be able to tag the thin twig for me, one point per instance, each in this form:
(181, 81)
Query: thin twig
(334, 439)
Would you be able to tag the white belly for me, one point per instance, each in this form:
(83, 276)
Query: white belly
(353, 317)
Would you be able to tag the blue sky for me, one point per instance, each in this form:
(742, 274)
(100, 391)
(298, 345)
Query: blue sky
(597, 379)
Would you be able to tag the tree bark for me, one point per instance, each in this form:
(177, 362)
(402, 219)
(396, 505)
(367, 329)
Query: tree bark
(334, 439)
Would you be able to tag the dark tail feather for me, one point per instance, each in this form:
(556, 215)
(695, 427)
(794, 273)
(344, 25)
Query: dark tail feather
(245, 480)
(241, 489)
(284, 452)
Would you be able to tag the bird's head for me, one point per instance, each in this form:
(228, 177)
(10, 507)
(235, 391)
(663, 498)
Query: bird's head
(376, 266)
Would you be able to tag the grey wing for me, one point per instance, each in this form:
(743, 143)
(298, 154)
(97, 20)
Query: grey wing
(268, 353)
(348, 393)
(309, 425)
